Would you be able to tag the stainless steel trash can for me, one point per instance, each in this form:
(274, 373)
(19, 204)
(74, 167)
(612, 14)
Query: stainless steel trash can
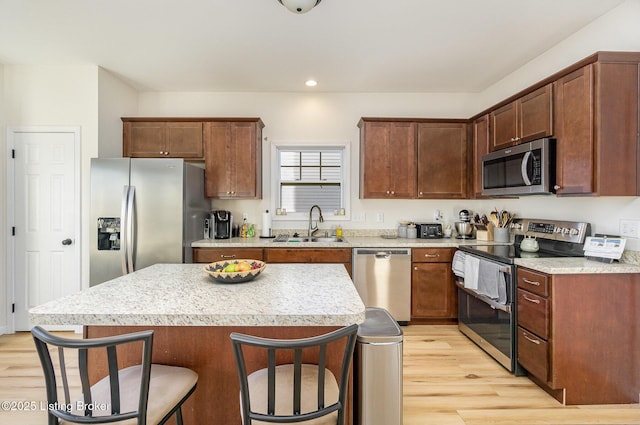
(378, 370)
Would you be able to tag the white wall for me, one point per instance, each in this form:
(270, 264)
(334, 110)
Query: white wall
(313, 117)
(3, 206)
(57, 96)
(116, 99)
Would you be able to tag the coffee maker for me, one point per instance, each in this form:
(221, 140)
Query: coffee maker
(222, 224)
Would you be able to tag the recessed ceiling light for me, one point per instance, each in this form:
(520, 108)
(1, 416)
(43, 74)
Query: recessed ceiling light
(311, 83)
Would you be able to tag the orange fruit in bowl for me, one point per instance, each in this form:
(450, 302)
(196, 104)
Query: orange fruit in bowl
(244, 266)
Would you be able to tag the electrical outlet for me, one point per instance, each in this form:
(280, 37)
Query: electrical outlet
(630, 228)
(245, 216)
(380, 217)
(358, 217)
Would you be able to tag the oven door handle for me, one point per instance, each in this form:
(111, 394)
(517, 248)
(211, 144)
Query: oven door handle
(523, 168)
(484, 299)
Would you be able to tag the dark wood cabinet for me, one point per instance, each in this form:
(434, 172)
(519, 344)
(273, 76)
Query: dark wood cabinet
(233, 159)
(442, 160)
(577, 337)
(310, 255)
(597, 115)
(210, 255)
(433, 291)
(480, 131)
(161, 138)
(527, 118)
(387, 159)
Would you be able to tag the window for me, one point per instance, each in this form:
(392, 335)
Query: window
(310, 175)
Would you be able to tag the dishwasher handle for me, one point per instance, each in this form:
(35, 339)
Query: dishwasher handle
(382, 252)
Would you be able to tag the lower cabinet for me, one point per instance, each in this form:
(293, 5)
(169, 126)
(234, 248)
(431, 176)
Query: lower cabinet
(310, 255)
(433, 291)
(578, 337)
(210, 255)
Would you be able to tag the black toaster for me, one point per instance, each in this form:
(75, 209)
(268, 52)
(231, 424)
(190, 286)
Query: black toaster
(429, 230)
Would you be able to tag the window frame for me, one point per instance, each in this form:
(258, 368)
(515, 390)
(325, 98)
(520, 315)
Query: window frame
(345, 186)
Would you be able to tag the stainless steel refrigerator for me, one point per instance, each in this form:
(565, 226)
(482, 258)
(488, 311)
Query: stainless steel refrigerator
(143, 211)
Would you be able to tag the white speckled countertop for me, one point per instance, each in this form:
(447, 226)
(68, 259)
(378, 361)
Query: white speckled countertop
(567, 265)
(183, 295)
(575, 265)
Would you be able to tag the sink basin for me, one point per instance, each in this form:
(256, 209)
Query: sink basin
(329, 239)
(313, 239)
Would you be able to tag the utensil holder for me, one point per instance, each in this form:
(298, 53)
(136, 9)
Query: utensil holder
(485, 235)
(501, 234)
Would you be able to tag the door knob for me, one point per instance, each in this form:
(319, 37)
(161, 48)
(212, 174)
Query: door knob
(67, 242)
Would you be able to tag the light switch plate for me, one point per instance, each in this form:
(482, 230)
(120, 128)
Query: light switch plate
(358, 217)
(630, 228)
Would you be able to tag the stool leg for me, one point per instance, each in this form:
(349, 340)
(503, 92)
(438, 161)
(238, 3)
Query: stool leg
(179, 416)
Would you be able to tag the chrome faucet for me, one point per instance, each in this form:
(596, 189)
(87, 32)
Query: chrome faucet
(313, 229)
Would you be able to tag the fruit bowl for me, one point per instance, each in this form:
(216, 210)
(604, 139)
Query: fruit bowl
(235, 271)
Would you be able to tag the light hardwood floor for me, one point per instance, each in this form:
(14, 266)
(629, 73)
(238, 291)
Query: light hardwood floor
(447, 381)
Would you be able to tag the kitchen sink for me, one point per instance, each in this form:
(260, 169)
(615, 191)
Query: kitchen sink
(328, 239)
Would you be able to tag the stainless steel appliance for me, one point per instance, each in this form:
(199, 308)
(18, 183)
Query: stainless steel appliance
(429, 230)
(382, 277)
(464, 227)
(143, 211)
(486, 280)
(378, 370)
(222, 224)
(526, 169)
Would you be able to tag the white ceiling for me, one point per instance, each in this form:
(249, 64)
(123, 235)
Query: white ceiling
(258, 45)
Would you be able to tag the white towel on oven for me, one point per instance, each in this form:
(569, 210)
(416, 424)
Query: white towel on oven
(457, 264)
(489, 279)
(471, 265)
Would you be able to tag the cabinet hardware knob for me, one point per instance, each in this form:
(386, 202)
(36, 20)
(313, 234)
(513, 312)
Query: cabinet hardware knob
(531, 300)
(535, 341)
(556, 187)
(415, 268)
(393, 192)
(530, 282)
(420, 193)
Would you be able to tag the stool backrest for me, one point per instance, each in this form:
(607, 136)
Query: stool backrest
(273, 347)
(61, 409)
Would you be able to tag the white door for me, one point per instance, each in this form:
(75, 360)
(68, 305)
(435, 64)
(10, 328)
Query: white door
(46, 217)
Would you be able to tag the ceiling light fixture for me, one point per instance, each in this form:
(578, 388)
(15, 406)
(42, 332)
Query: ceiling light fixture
(311, 83)
(300, 6)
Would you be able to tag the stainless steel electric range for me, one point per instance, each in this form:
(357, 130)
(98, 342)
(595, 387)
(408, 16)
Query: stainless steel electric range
(486, 280)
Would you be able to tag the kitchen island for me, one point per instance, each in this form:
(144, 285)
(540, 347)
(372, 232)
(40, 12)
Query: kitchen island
(192, 317)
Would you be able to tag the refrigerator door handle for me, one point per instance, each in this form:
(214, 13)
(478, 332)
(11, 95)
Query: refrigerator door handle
(124, 237)
(130, 228)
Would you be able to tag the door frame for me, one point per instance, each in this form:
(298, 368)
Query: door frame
(10, 206)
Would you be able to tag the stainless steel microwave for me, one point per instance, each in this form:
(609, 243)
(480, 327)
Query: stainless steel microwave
(526, 169)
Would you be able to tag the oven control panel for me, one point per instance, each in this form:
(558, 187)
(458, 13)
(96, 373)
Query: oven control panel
(568, 231)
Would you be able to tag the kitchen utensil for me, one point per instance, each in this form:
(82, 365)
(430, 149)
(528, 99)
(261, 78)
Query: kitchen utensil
(464, 229)
(529, 244)
(493, 217)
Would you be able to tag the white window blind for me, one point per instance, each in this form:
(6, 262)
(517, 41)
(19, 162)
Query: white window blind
(309, 176)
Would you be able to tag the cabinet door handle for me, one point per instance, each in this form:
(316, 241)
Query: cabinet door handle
(432, 255)
(530, 300)
(227, 256)
(531, 282)
(535, 341)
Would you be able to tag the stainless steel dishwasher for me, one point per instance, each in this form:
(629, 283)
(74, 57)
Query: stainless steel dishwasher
(383, 279)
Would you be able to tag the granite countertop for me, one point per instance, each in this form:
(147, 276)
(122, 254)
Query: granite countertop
(349, 242)
(575, 265)
(567, 265)
(184, 295)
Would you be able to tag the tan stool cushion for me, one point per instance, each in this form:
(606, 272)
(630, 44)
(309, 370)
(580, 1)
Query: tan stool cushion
(284, 393)
(168, 385)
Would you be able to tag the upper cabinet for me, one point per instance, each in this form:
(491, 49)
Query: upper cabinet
(527, 118)
(481, 137)
(233, 158)
(387, 159)
(442, 160)
(597, 116)
(161, 138)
